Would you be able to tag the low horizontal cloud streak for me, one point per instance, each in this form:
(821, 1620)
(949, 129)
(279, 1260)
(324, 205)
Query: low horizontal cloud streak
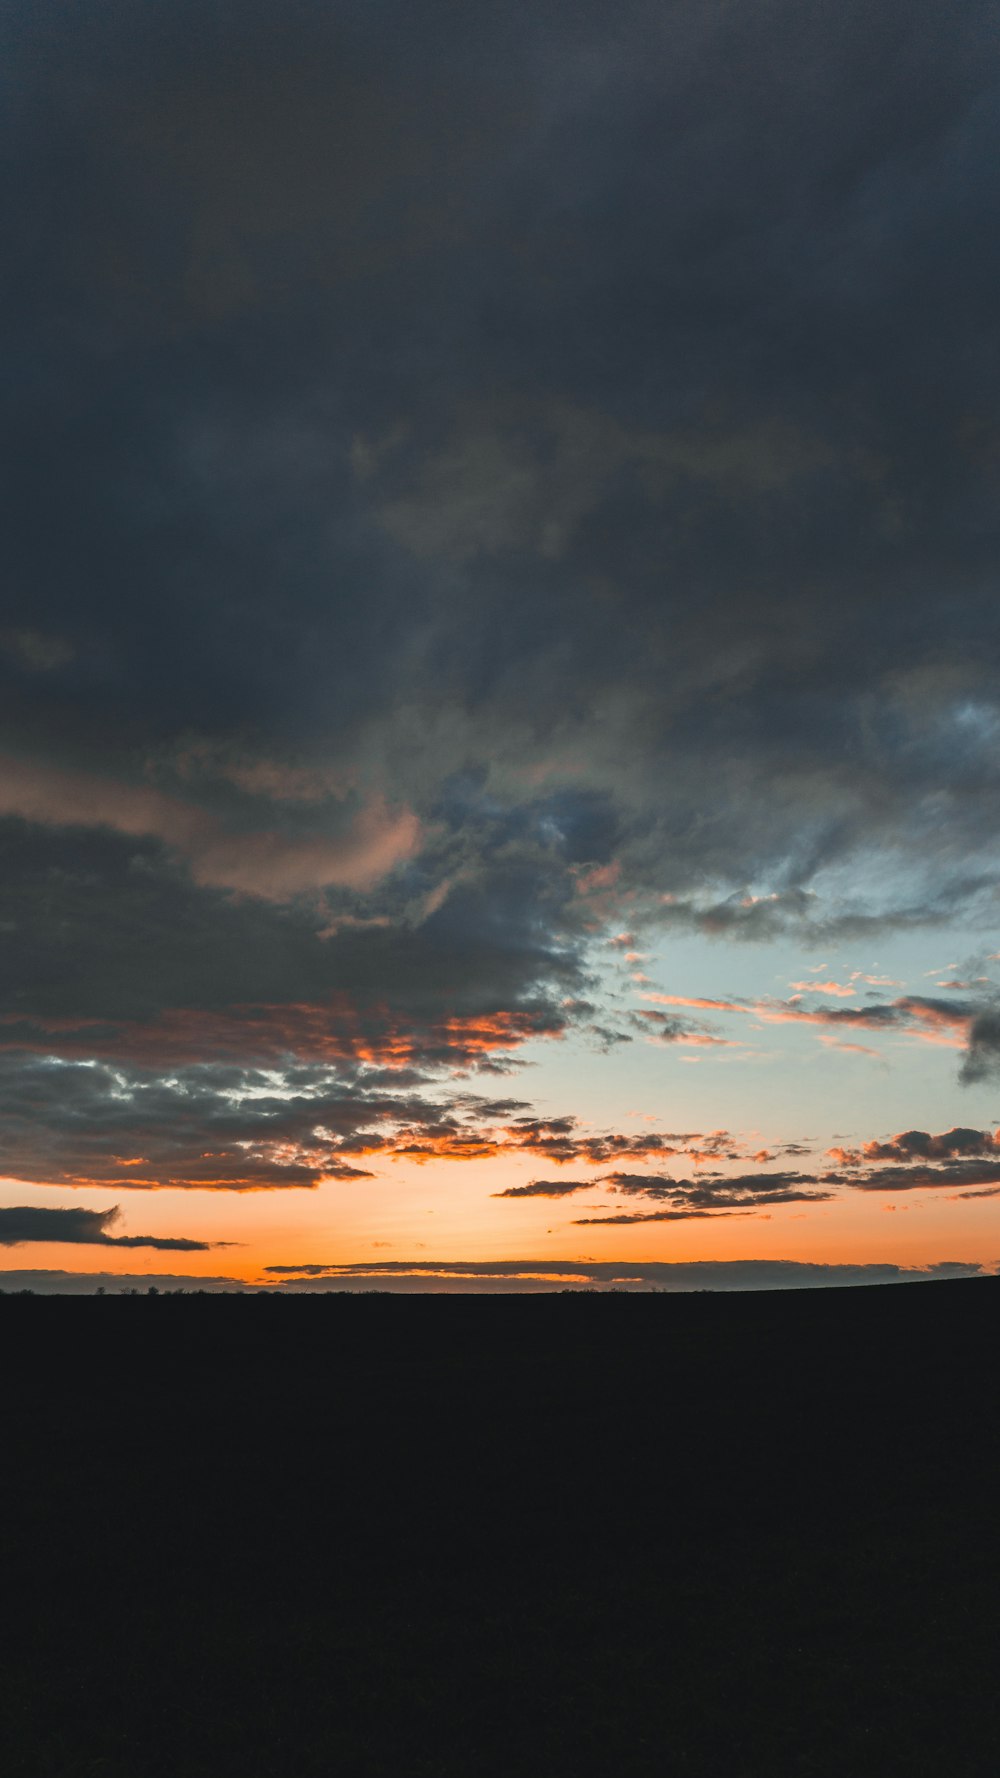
(27, 1223)
(951, 1022)
(500, 1277)
(556, 1274)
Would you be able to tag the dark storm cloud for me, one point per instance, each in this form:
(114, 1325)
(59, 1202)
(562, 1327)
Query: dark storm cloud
(982, 1061)
(469, 467)
(28, 1222)
(209, 1125)
(105, 936)
(240, 1127)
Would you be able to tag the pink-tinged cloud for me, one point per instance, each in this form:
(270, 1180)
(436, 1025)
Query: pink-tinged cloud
(700, 1001)
(934, 1021)
(57, 797)
(843, 1157)
(947, 1022)
(268, 865)
(851, 1049)
(371, 843)
(843, 989)
(601, 877)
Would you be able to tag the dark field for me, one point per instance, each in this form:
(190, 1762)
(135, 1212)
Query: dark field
(738, 1535)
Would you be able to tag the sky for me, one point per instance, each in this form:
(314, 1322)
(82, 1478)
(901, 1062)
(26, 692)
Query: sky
(499, 643)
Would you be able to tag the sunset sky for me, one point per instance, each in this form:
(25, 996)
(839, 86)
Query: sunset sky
(500, 718)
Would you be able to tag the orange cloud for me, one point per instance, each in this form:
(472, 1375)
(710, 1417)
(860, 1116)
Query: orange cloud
(698, 1001)
(932, 1021)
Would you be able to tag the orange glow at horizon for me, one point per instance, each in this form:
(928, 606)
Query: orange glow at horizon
(422, 1214)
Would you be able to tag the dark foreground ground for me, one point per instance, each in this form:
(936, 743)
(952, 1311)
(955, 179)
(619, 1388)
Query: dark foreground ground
(733, 1535)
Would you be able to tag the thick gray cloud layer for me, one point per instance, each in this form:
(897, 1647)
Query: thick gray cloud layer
(470, 466)
(228, 1127)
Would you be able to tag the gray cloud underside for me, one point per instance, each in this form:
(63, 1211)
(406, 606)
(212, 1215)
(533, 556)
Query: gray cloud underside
(546, 1188)
(290, 1124)
(227, 1127)
(27, 1222)
(959, 1174)
(688, 1198)
(219, 1125)
(463, 456)
(982, 1059)
(713, 1196)
(912, 1145)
